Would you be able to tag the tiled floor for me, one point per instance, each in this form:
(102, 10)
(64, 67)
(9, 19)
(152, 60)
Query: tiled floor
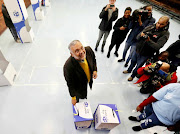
(39, 101)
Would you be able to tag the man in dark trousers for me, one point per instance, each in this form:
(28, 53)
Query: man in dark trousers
(108, 14)
(9, 23)
(120, 31)
(79, 70)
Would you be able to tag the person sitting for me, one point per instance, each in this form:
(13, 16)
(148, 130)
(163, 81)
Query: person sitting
(174, 52)
(161, 109)
(156, 76)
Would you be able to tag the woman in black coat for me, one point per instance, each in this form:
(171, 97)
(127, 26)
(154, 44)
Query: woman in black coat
(120, 31)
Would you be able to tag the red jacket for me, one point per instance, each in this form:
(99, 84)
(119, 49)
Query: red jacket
(145, 77)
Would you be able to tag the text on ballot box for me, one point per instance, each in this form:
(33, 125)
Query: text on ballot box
(82, 115)
(106, 117)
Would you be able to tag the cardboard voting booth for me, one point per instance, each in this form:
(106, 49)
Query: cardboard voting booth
(7, 72)
(82, 115)
(46, 3)
(106, 117)
(19, 16)
(38, 12)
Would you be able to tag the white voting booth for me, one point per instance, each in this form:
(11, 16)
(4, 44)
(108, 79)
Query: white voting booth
(47, 2)
(7, 71)
(19, 16)
(38, 12)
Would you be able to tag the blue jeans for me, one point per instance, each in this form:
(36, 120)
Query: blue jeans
(126, 48)
(150, 118)
(138, 61)
(131, 54)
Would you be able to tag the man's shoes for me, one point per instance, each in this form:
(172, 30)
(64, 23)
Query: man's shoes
(126, 65)
(102, 50)
(132, 118)
(120, 60)
(95, 49)
(116, 54)
(125, 72)
(130, 78)
(108, 55)
(136, 128)
(18, 40)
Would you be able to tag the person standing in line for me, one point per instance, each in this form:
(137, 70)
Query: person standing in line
(120, 31)
(149, 42)
(141, 19)
(108, 14)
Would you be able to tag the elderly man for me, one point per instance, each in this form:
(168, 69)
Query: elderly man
(149, 41)
(79, 70)
(162, 109)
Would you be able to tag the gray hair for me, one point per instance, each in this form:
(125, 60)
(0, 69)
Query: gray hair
(72, 44)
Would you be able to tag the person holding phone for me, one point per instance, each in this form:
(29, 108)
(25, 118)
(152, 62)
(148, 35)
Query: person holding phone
(120, 31)
(108, 14)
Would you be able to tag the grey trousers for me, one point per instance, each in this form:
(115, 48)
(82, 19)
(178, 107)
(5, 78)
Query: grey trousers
(101, 33)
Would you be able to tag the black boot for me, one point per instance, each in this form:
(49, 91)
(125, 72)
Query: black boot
(136, 128)
(108, 54)
(125, 65)
(102, 48)
(116, 54)
(132, 118)
(120, 60)
(95, 49)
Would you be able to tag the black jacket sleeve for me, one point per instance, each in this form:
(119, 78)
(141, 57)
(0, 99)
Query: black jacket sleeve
(160, 43)
(103, 14)
(118, 24)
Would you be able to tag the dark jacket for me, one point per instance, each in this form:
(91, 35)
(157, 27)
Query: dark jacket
(106, 25)
(75, 76)
(174, 49)
(6, 16)
(136, 29)
(119, 23)
(157, 40)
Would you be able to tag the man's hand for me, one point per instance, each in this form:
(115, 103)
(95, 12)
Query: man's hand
(158, 85)
(146, 68)
(74, 101)
(95, 74)
(107, 7)
(122, 28)
(142, 34)
(139, 20)
(148, 39)
(139, 108)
